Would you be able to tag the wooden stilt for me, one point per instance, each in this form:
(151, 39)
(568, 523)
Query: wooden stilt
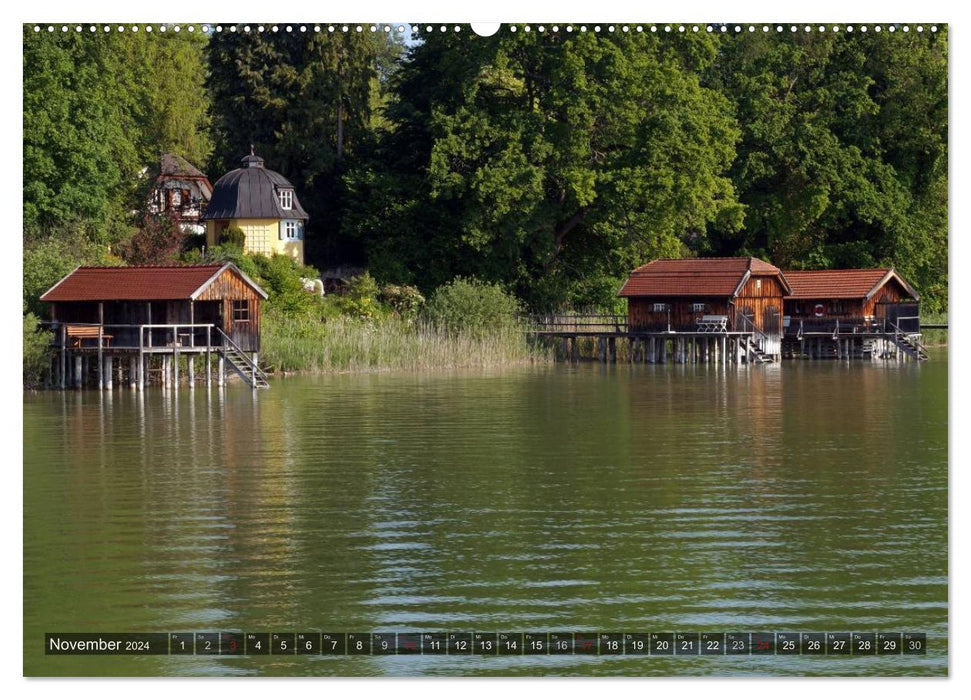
(221, 374)
(191, 370)
(175, 368)
(78, 371)
(106, 372)
(63, 331)
(612, 349)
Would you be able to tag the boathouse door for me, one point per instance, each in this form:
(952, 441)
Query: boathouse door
(772, 328)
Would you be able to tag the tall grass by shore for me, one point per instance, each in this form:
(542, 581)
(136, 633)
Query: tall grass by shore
(346, 344)
(934, 336)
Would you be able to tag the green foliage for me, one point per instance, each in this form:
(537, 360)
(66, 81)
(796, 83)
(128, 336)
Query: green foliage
(549, 164)
(233, 237)
(533, 159)
(159, 241)
(280, 276)
(361, 300)
(472, 307)
(48, 259)
(404, 300)
(98, 108)
(36, 352)
(305, 101)
(843, 156)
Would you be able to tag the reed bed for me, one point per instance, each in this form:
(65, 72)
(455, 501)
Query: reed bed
(934, 337)
(345, 344)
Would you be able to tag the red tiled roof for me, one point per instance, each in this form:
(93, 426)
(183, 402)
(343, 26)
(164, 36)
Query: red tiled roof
(838, 284)
(133, 283)
(693, 276)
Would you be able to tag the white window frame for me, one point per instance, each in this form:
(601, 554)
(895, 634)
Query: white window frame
(286, 199)
(659, 308)
(291, 230)
(698, 308)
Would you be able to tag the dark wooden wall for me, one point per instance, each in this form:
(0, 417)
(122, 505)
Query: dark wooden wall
(642, 317)
(761, 298)
(891, 293)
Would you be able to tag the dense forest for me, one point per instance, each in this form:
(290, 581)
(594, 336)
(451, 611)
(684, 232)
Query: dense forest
(548, 163)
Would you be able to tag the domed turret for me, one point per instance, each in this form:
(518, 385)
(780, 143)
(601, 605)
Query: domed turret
(263, 204)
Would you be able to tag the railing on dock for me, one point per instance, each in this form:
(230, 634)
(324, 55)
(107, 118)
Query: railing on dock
(847, 325)
(578, 323)
(133, 336)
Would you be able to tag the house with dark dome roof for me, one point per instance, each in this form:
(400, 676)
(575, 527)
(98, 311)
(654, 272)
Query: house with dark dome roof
(263, 204)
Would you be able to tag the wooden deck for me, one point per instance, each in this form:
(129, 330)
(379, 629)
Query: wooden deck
(148, 348)
(810, 338)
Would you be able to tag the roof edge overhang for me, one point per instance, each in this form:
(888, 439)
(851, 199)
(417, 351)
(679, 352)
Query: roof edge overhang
(217, 273)
(745, 278)
(892, 274)
(60, 282)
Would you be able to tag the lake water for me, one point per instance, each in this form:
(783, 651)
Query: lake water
(806, 497)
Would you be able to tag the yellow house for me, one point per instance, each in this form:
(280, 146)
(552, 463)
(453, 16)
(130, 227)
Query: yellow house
(263, 204)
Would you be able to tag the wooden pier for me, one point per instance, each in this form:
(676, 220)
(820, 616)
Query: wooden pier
(130, 324)
(710, 343)
(136, 355)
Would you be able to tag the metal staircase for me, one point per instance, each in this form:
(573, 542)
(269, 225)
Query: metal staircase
(909, 343)
(756, 356)
(241, 363)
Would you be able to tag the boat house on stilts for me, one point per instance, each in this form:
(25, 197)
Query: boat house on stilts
(137, 324)
(706, 310)
(745, 310)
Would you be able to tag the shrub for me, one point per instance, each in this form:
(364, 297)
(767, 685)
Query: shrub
(232, 237)
(361, 299)
(280, 277)
(404, 300)
(159, 241)
(471, 306)
(36, 352)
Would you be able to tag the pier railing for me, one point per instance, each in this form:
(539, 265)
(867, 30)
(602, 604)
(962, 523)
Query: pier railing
(578, 323)
(133, 336)
(845, 325)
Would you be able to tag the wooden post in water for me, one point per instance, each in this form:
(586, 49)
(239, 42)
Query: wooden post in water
(106, 373)
(175, 368)
(63, 332)
(101, 330)
(78, 370)
(221, 373)
(612, 349)
(208, 356)
(191, 370)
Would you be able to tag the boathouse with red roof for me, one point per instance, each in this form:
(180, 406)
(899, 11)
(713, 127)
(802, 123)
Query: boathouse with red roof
(854, 298)
(149, 313)
(684, 295)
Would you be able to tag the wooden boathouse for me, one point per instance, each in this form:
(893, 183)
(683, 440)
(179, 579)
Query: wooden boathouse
(851, 313)
(130, 323)
(746, 310)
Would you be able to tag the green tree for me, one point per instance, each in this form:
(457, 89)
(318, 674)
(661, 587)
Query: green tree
(843, 157)
(304, 101)
(98, 108)
(546, 161)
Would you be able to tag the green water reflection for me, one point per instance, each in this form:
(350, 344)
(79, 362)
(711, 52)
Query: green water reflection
(806, 497)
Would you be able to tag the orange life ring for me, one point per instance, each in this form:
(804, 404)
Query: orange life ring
(819, 310)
